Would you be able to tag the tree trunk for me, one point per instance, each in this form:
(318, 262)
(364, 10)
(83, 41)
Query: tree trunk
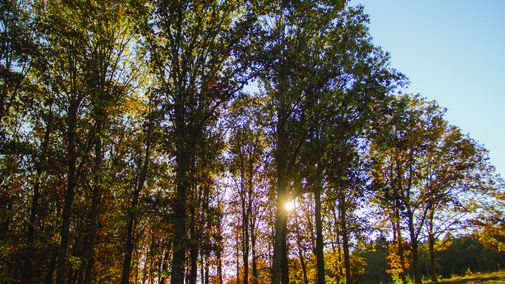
(130, 239)
(285, 267)
(432, 258)
(345, 238)
(219, 254)
(237, 251)
(184, 165)
(319, 236)
(52, 267)
(69, 193)
(431, 245)
(138, 184)
(415, 250)
(193, 252)
(402, 259)
(245, 235)
(95, 207)
(35, 202)
(253, 249)
(31, 230)
(300, 252)
(280, 233)
(164, 267)
(282, 190)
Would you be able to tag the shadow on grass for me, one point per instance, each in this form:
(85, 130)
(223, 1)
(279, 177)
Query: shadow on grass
(498, 277)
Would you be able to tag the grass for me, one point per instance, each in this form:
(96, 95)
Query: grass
(494, 277)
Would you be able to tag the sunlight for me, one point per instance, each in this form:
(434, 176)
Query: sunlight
(289, 205)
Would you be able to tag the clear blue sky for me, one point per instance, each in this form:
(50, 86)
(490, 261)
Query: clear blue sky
(453, 52)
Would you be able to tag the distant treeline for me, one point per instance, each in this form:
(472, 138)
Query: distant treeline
(464, 255)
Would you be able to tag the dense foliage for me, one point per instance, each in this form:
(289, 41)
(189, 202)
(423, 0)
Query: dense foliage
(160, 141)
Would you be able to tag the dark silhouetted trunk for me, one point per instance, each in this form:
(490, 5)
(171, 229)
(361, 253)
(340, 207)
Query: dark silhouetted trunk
(345, 242)
(69, 192)
(253, 250)
(432, 258)
(95, 206)
(193, 252)
(139, 180)
(35, 203)
(319, 236)
(414, 244)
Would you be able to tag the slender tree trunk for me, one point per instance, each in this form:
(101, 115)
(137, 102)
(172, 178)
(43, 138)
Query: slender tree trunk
(219, 255)
(280, 232)
(414, 244)
(433, 263)
(69, 193)
(282, 190)
(130, 239)
(300, 252)
(339, 255)
(237, 253)
(253, 249)
(164, 267)
(285, 266)
(245, 257)
(183, 158)
(35, 202)
(345, 236)
(206, 270)
(247, 217)
(193, 252)
(401, 254)
(95, 210)
(138, 184)
(95, 213)
(31, 230)
(245, 230)
(52, 267)
(431, 245)
(319, 236)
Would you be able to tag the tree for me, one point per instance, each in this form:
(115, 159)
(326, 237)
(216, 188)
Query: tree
(198, 51)
(454, 176)
(66, 79)
(430, 171)
(317, 52)
(17, 47)
(247, 155)
(402, 141)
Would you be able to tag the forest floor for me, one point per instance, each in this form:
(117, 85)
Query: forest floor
(494, 278)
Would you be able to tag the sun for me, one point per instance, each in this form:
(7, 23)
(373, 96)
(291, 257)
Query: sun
(289, 205)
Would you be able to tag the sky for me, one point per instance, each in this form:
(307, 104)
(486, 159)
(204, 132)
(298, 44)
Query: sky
(452, 51)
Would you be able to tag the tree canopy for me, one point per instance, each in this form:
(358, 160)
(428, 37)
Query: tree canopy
(160, 141)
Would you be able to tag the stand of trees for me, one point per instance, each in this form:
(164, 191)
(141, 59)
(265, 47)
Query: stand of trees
(159, 141)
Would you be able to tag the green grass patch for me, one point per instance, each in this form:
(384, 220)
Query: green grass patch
(470, 277)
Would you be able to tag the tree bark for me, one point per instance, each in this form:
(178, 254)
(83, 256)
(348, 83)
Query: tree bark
(319, 236)
(414, 244)
(345, 237)
(130, 239)
(193, 251)
(69, 193)
(95, 206)
(433, 263)
(301, 252)
(184, 166)
(431, 248)
(141, 177)
(253, 249)
(35, 202)
(27, 271)
(219, 254)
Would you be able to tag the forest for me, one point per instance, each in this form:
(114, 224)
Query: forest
(210, 141)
